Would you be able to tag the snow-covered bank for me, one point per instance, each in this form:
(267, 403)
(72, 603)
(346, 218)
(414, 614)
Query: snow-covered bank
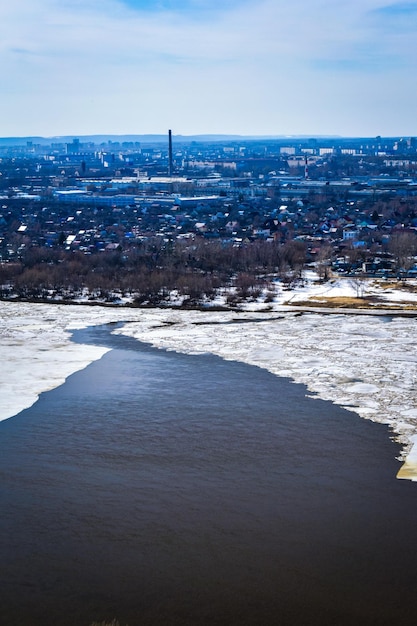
(365, 363)
(36, 351)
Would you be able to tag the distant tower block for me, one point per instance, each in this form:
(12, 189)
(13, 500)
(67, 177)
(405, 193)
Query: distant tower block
(305, 167)
(170, 163)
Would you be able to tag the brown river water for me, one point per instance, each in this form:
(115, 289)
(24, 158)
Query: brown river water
(167, 489)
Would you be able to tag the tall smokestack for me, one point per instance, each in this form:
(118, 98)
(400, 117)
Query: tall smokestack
(170, 164)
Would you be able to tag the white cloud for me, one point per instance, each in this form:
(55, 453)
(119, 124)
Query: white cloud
(270, 67)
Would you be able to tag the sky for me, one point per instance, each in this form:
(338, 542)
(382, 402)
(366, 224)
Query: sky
(248, 67)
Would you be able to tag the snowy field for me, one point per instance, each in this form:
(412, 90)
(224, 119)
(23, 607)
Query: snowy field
(366, 363)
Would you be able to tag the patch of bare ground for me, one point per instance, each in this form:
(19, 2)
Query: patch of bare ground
(402, 286)
(346, 302)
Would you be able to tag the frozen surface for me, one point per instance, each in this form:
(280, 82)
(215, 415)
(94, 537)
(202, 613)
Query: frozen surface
(367, 364)
(36, 351)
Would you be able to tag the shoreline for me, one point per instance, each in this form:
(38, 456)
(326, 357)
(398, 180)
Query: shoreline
(216, 308)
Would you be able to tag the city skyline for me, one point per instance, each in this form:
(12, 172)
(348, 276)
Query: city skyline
(236, 67)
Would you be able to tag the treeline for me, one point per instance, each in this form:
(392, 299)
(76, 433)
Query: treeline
(149, 272)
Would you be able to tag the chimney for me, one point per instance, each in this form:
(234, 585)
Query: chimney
(170, 164)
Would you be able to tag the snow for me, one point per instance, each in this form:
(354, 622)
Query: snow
(366, 363)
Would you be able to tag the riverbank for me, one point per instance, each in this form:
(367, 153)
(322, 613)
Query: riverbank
(341, 293)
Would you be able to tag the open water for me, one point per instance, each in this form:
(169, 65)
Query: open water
(168, 489)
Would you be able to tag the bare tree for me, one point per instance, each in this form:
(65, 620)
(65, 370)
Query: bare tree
(359, 284)
(323, 261)
(403, 247)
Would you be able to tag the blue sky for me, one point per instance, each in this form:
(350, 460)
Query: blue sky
(263, 67)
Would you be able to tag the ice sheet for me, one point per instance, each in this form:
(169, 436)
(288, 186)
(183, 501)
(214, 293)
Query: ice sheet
(36, 351)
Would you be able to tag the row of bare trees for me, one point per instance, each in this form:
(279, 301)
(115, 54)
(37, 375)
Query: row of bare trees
(152, 270)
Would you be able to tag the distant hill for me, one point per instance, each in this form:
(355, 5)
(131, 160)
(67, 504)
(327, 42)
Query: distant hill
(98, 139)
